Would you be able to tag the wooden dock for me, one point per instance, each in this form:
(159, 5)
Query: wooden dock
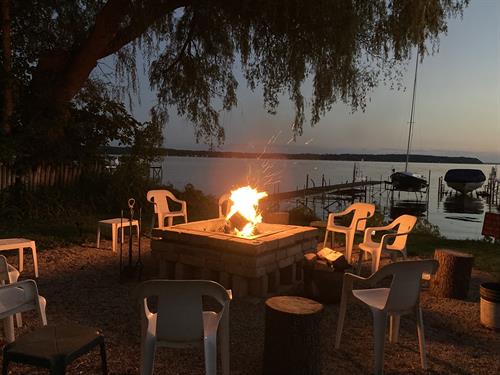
(320, 189)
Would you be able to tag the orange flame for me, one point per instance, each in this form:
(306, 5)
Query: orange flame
(245, 201)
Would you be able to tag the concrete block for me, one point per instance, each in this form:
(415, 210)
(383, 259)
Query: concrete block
(225, 280)
(259, 286)
(240, 286)
(294, 250)
(287, 274)
(286, 262)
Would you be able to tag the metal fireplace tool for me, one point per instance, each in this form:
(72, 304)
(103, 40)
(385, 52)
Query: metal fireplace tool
(131, 270)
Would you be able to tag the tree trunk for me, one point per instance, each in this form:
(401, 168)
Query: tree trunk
(8, 102)
(292, 334)
(61, 74)
(453, 275)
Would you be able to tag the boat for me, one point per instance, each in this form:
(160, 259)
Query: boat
(464, 180)
(408, 181)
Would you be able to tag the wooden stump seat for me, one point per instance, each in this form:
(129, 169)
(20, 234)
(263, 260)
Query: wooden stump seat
(453, 275)
(292, 336)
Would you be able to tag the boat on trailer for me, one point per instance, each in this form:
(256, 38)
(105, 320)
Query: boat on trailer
(408, 181)
(465, 180)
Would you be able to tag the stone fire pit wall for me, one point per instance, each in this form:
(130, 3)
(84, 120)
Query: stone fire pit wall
(265, 263)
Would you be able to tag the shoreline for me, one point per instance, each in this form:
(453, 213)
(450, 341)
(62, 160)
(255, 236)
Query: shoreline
(391, 158)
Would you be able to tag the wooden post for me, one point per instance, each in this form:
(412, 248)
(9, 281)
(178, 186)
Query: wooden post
(453, 275)
(292, 337)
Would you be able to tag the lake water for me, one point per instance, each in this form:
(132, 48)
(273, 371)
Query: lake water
(456, 216)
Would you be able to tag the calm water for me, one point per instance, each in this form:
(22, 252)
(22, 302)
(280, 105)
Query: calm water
(456, 217)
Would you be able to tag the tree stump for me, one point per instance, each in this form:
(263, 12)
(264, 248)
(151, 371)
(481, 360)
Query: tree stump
(292, 336)
(453, 275)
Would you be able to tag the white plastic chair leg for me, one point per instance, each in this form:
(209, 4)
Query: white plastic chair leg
(114, 237)
(375, 260)
(326, 238)
(8, 329)
(19, 320)
(98, 241)
(148, 348)
(421, 338)
(35, 258)
(379, 326)
(394, 328)
(170, 221)
(349, 240)
(42, 303)
(21, 259)
(210, 345)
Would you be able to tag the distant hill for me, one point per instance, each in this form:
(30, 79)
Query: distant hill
(392, 158)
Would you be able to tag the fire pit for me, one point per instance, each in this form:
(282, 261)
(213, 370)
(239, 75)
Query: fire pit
(255, 265)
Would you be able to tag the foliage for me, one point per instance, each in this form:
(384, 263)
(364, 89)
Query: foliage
(344, 48)
(302, 215)
(58, 216)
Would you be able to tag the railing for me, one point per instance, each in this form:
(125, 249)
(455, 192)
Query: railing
(46, 175)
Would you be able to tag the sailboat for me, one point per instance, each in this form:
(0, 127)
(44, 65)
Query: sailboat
(408, 181)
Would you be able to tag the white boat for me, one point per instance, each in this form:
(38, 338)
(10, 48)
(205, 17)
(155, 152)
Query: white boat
(465, 180)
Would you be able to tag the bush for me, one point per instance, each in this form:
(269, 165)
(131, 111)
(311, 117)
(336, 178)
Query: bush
(302, 216)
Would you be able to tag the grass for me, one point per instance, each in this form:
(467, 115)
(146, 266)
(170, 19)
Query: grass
(486, 254)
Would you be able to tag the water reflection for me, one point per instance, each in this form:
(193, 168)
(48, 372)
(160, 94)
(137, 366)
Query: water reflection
(463, 204)
(415, 208)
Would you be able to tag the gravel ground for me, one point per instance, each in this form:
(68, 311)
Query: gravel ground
(81, 285)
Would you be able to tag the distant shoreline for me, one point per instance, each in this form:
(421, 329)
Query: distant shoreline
(393, 158)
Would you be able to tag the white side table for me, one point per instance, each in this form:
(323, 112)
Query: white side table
(115, 224)
(20, 244)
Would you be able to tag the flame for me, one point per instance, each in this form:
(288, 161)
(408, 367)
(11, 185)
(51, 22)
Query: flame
(245, 201)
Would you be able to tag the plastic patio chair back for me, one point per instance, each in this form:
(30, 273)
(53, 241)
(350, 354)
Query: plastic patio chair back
(159, 197)
(361, 211)
(19, 297)
(180, 309)
(405, 224)
(405, 286)
(16, 298)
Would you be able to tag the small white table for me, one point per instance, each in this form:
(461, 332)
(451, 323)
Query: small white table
(20, 244)
(115, 224)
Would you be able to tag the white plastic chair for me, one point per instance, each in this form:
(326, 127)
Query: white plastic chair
(362, 212)
(180, 321)
(9, 275)
(17, 298)
(404, 224)
(403, 297)
(159, 198)
(224, 205)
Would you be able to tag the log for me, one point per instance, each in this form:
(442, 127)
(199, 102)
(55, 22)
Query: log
(453, 275)
(292, 336)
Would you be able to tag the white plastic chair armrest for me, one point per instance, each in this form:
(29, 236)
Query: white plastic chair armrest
(355, 223)
(388, 236)
(178, 200)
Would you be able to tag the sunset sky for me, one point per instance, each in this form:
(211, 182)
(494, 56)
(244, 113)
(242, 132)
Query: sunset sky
(457, 108)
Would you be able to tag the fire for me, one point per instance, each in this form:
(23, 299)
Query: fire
(245, 201)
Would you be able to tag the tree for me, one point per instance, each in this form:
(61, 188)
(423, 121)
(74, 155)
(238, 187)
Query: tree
(190, 48)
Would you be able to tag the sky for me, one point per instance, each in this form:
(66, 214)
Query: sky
(457, 105)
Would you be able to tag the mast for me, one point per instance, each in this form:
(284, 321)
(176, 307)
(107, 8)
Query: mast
(412, 116)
